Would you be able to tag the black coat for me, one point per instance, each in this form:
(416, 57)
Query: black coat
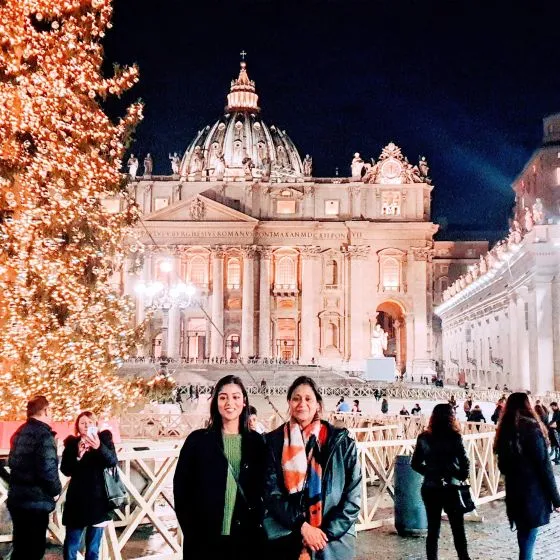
(199, 487)
(86, 500)
(341, 498)
(531, 491)
(440, 459)
(33, 463)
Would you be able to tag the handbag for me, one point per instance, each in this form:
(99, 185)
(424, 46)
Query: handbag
(117, 496)
(460, 497)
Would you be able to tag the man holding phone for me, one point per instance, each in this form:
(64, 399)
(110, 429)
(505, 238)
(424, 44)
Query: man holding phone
(34, 481)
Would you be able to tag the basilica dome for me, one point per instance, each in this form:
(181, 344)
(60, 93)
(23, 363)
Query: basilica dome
(240, 146)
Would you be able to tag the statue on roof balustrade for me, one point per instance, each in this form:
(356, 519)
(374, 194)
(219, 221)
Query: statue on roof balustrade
(528, 220)
(307, 165)
(356, 166)
(482, 264)
(148, 165)
(175, 163)
(132, 165)
(538, 212)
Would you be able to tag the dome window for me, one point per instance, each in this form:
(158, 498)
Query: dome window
(238, 125)
(257, 126)
(221, 126)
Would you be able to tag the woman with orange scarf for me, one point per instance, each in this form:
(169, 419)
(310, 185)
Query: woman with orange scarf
(312, 494)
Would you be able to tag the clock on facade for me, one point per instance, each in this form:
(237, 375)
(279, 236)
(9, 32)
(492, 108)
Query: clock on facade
(391, 169)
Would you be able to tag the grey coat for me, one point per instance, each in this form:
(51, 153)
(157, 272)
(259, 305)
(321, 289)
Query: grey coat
(285, 514)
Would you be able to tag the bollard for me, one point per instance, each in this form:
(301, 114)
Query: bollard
(410, 514)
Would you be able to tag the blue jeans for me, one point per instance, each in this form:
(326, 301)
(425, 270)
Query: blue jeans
(73, 541)
(526, 539)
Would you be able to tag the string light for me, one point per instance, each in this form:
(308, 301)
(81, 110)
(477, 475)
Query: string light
(63, 330)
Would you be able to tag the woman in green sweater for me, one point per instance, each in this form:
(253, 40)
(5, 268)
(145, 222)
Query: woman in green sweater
(218, 483)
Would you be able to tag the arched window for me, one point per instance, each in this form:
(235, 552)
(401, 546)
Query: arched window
(391, 274)
(331, 273)
(197, 271)
(286, 272)
(233, 273)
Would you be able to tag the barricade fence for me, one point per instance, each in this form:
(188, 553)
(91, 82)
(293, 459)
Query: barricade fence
(147, 468)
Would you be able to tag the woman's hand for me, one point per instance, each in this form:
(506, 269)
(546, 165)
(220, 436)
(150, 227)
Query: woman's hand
(93, 441)
(313, 537)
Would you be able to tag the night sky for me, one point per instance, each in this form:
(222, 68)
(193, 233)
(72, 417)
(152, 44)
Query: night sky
(464, 83)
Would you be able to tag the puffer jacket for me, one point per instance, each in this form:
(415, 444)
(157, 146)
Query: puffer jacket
(531, 490)
(33, 463)
(285, 514)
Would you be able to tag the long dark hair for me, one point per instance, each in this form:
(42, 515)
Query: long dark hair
(215, 422)
(443, 421)
(517, 407)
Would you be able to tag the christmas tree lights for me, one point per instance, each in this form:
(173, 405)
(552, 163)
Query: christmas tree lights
(63, 327)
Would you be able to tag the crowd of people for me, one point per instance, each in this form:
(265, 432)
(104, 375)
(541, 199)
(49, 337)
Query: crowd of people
(292, 493)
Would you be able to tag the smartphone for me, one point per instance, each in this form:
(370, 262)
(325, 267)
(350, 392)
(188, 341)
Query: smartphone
(92, 431)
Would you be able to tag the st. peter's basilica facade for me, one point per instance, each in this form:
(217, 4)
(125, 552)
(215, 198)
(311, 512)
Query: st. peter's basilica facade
(287, 265)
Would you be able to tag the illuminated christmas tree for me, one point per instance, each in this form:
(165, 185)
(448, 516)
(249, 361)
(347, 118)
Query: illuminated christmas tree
(63, 328)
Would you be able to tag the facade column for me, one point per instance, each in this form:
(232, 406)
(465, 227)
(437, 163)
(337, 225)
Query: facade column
(359, 321)
(264, 303)
(355, 200)
(309, 320)
(174, 313)
(422, 362)
(409, 321)
(523, 356)
(216, 337)
(309, 201)
(248, 307)
(398, 324)
(544, 378)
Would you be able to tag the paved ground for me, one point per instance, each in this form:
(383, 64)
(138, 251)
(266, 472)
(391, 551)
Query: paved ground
(490, 539)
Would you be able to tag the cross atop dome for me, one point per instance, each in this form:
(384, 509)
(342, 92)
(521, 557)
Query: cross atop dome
(242, 96)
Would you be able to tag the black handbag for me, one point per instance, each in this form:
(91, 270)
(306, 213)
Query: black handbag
(117, 496)
(460, 497)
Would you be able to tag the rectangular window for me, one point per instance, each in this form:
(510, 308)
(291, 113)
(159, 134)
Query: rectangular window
(332, 207)
(160, 203)
(286, 207)
(558, 175)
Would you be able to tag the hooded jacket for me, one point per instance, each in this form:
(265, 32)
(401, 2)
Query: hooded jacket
(285, 513)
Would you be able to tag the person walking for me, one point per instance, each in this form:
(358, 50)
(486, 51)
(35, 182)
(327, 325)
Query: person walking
(531, 492)
(312, 490)
(219, 479)
(554, 432)
(34, 481)
(467, 407)
(86, 510)
(441, 458)
(498, 411)
(356, 407)
(476, 415)
(384, 406)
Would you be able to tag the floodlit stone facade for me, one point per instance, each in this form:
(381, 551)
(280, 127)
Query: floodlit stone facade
(284, 264)
(501, 320)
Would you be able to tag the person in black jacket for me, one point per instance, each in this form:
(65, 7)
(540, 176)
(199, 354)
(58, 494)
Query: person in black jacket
(218, 482)
(86, 455)
(34, 481)
(554, 432)
(531, 492)
(313, 490)
(440, 456)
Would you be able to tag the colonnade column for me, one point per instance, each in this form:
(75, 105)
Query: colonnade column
(248, 308)
(513, 343)
(217, 329)
(524, 377)
(359, 332)
(309, 320)
(545, 341)
(264, 302)
(409, 321)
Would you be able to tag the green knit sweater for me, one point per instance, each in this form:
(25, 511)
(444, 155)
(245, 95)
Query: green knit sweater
(232, 450)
